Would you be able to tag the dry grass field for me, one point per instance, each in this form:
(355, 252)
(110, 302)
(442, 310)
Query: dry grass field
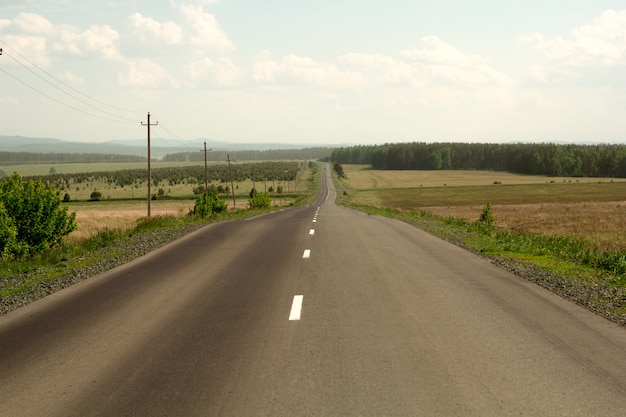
(593, 208)
(94, 217)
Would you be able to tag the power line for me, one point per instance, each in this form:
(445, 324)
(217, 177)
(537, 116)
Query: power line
(171, 133)
(72, 96)
(62, 103)
(117, 117)
(63, 83)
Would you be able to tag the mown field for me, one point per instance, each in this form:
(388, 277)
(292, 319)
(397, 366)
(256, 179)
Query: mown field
(589, 208)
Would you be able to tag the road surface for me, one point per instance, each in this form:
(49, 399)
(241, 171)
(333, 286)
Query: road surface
(318, 311)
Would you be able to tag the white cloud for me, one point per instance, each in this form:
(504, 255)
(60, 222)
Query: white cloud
(435, 51)
(146, 74)
(223, 70)
(434, 63)
(600, 43)
(32, 47)
(98, 41)
(205, 29)
(198, 2)
(146, 28)
(382, 69)
(33, 24)
(442, 62)
(304, 69)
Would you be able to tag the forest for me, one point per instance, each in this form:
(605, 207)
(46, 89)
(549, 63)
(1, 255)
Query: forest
(252, 155)
(602, 160)
(16, 158)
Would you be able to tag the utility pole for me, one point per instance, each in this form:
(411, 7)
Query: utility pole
(149, 167)
(230, 173)
(206, 175)
(254, 175)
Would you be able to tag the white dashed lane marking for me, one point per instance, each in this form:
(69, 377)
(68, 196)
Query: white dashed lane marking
(296, 308)
(312, 232)
(306, 254)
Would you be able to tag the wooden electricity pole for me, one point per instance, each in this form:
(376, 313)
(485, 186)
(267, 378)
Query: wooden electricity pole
(149, 168)
(206, 175)
(232, 187)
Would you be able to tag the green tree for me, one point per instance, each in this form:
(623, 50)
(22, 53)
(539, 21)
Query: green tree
(35, 208)
(339, 170)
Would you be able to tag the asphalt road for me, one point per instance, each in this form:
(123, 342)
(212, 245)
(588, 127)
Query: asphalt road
(319, 311)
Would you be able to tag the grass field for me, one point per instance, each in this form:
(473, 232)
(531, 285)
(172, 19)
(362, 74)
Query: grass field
(591, 208)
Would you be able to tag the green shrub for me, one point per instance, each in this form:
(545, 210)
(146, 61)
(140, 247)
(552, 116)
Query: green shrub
(486, 217)
(8, 233)
(209, 204)
(260, 200)
(95, 196)
(38, 216)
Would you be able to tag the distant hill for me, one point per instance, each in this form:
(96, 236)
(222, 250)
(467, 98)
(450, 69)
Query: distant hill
(159, 147)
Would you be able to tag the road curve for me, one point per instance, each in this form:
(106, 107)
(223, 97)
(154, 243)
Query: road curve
(319, 311)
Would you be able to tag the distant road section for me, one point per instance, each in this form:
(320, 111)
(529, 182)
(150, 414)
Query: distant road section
(321, 311)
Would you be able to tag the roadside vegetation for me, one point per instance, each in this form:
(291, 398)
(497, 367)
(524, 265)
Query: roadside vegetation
(567, 234)
(99, 235)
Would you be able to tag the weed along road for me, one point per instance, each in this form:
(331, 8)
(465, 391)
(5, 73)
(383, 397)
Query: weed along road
(309, 311)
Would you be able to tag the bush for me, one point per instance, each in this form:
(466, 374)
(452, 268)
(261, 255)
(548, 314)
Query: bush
(66, 198)
(95, 196)
(8, 232)
(33, 212)
(260, 200)
(486, 217)
(209, 204)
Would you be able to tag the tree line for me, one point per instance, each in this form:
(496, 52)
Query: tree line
(602, 160)
(306, 154)
(18, 158)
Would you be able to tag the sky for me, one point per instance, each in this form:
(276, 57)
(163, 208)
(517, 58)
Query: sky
(324, 72)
